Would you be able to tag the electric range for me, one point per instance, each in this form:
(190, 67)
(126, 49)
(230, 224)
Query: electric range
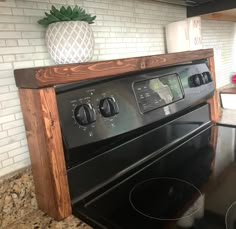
(140, 152)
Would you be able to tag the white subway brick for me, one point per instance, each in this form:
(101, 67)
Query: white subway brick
(4, 89)
(8, 3)
(38, 63)
(26, 4)
(13, 88)
(7, 162)
(33, 34)
(17, 11)
(13, 124)
(23, 42)
(18, 151)
(5, 66)
(3, 156)
(7, 27)
(4, 142)
(6, 81)
(9, 111)
(16, 50)
(10, 103)
(36, 41)
(8, 96)
(32, 12)
(15, 19)
(9, 58)
(23, 142)
(29, 27)
(2, 43)
(18, 115)
(3, 134)
(21, 157)
(5, 11)
(23, 64)
(7, 118)
(17, 130)
(11, 42)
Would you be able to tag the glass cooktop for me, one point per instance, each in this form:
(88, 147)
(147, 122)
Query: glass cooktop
(189, 187)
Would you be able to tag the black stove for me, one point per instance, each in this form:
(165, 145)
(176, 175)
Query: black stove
(139, 151)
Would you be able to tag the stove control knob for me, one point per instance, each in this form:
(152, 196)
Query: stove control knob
(108, 107)
(207, 77)
(196, 80)
(85, 114)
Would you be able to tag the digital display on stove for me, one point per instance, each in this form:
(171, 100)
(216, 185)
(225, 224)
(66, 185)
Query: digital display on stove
(157, 92)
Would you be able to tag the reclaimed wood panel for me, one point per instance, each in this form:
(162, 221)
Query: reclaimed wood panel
(46, 151)
(61, 74)
(214, 101)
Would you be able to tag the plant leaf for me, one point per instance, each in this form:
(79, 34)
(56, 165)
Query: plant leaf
(68, 12)
(63, 10)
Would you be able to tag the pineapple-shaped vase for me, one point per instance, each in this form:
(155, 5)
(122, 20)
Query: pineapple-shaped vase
(70, 42)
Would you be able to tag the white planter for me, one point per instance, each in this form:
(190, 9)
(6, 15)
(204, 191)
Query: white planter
(70, 42)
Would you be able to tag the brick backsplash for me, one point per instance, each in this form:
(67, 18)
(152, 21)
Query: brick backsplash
(123, 28)
(220, 35)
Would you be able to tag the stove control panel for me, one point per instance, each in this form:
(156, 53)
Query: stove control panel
(100, 109)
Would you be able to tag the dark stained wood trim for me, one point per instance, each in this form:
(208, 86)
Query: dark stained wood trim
(214, 103)
(61, 74)
(46, 151)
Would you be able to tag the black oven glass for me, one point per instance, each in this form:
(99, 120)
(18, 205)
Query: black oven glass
(157, 92)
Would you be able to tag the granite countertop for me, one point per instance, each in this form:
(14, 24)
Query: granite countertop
(39, 220)
(18, 206)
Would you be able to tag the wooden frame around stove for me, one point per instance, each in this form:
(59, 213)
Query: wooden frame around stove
(40, 114)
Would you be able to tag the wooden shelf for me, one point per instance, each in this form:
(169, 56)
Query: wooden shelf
(61, 74)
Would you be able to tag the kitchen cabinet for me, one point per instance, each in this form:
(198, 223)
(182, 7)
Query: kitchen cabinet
(215, 10)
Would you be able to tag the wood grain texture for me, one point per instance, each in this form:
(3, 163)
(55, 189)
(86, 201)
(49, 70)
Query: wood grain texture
(214, 101)
(53, 75)
(46, 151)
(227, 15)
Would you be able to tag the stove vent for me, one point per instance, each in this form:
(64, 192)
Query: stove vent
(191, 3)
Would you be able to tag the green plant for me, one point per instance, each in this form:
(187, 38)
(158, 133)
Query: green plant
(66, 14)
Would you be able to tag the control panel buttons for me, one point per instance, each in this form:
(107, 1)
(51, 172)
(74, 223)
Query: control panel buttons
(207, 76)
(84, 114)
(204, 79)
(200, 79)
(196, 80)
(108, 107)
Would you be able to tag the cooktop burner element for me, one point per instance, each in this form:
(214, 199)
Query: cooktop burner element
(170, 193)
(230, 217)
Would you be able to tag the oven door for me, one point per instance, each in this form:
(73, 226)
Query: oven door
(184, 188)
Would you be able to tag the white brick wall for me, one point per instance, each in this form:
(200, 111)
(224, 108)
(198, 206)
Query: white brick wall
(122, 29)
(220, 36)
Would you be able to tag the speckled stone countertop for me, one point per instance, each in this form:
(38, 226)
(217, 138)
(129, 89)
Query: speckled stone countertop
(18, 206)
